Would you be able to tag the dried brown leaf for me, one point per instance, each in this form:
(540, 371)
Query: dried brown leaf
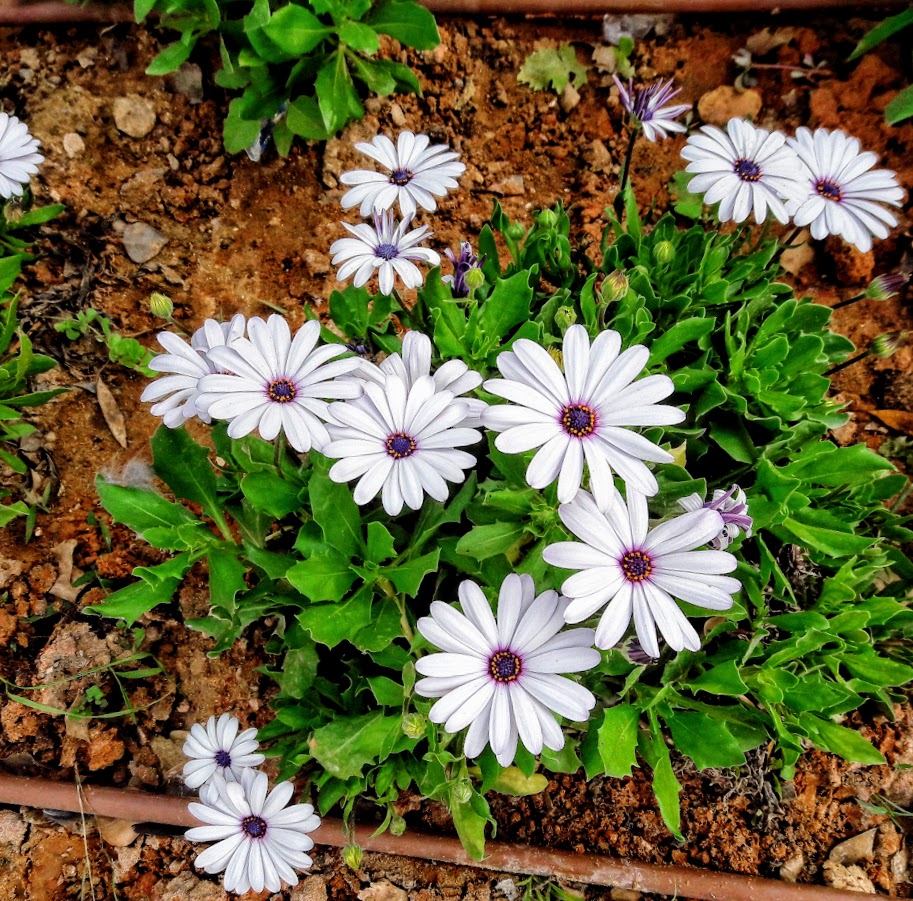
(766, 40)
(901, 420)
(114, 417)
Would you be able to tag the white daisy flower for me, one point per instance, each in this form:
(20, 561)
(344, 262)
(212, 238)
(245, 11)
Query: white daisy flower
(743, 168)
(582, 414)
(401, 440)
(842, 195)
(416, 173)
(221, 748)
(187, 365)
(260, 841)
(732, 507)
(638, 571)
(387, 248)
(646, 105)
(500, 676)
(19, 157)
(272, 383)
(415, 363)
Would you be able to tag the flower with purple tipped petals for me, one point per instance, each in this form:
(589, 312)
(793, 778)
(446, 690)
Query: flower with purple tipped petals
(732, 506)
(462, 264)
(219, 748)
(647, 107)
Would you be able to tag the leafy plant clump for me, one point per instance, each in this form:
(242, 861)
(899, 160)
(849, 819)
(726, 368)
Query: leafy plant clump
(295, 64)
(820, 625)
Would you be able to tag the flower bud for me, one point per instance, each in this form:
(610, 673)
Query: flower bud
(547, 219)
(12, 210)
(414, 725)
(352, 855)
(886, 344)
(664, 252)
(474, 279)
(565, 317)
(397, 824)
(884, 286)
(614, 286)
(515, 232)
(161, 305)
(462, 791)
(556, 355)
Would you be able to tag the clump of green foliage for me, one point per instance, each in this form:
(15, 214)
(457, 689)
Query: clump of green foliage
(295, 63)
(123, 350)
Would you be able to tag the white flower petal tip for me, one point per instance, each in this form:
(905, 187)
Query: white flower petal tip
(401, 439)
(842, 192)
(732, 506)
(581, 416)
(272, 382)
(417, 173)
(259, 839)
(647, 107)
(745, 169)
(633, 571)
(184, 365)
(500, 675)
(219, 749)
(19, 156)
(389, 249)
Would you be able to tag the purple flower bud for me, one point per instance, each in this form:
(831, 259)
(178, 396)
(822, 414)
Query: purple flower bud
(462, 265)
(887, 285)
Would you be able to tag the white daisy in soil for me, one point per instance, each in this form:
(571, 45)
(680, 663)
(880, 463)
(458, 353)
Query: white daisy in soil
(387, 248)
(415, 363)
(581, 415)
(19, 156)
(732, 507)
(221, 748)
(743, 168)
(400, 440)
(417, 171)
(273, 383)
(260, 840)
(842, 193)
(500, 676)
(186, 365)
(647, 107)
(631, 569)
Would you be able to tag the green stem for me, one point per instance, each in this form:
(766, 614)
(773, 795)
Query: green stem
(845, 363)
(845, 303)
(404, 313)
(625, 173)
(898, 502)
(279, 453)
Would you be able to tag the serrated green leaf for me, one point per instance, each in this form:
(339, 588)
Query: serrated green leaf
(722, 680)
(847, 743)
(349, 743)
(141, 509)
(407, 577)
(337, 514)
(324, 578)
(380, 543)
(331, 624)
(553, 66)
(617, 739)
(706, 741)
(296, 30)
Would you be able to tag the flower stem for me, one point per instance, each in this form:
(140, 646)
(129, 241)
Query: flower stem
(403, 312)
(279, 453)
(845, 303)
(386, 586)
(849, 362)
(625, 173)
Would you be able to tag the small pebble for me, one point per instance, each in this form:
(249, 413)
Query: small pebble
(142, 242)
(512, 186)
(73, 144)
(134, 116)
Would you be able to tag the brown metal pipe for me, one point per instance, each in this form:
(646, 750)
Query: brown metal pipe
(51, 12)
(591, 869)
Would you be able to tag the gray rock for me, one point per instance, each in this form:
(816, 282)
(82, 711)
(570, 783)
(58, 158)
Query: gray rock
(142, 242)
(188, 80)
(134, 116)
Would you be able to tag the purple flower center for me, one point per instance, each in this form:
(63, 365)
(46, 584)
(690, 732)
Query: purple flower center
(223, 759)
(505, 666)
(578, 420)
(254, 827)
(636, 566)
(400, 177)
(829, 190)
(400, 445)
(747, 170)
(282, 390)
(387, 251)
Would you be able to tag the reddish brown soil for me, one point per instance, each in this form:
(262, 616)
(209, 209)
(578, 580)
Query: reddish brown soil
(248, 237)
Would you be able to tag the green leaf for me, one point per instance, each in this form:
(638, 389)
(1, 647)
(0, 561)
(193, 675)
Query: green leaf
(555, 66)
(337, 514)
(506, 307)
(183, 465)
(470, 826)
(324, 578)
(482, 542)
(172, 57)
(239, 133)
(617, 737)
(141, 509)
(331, 624)
(226, 578)
(881, 32)
(142, 8)
(349, 743)
(407, 577)
(299, 668)
(847, 743)
(269, 493)
(408, 22)
(157, 585)
(303, 119)
(336, 95)
(296, 30)
(665, 786)
(511, 781)
(380, 543)
(359, 36)
(901, 107)
(40, 215)
(682, 333)
(706, 741)
(722, 680)
(387, 692)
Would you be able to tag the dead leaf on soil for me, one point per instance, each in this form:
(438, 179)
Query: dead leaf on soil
(66, 572)
(766, 40)
(119, 833)
(852, 878)
(859, 847)
(382, 891)
(900, 420)
(112, 412)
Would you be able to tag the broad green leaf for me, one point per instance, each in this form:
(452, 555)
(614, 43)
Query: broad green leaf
(387, 692)
(330, 624)
(336, 95)
(226, 578)
(847, 743)
(324, 578)
(139, 508)
(482, 542)
(665, 786)
(142, 8)
(183, 465)
(156, 585)
(506, 307)
(359, 36)
(409, 23)
(706, 741)
(303, 119)
(407, 577)
(349, 743)
(295, 29)
(299, 668)
(723, 679)
(269, 493)
(172, 57)
(337, 514)
(470, 826)
(617, 736)
(380, 543)
(512, 782)
(678, 336)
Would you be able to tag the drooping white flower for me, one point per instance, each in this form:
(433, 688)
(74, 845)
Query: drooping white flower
(415, 363)
(501, 676)
(187, 365)
(19, 156)
(219, 748)
(400, 440)
(646, 105)
(743, 168)
(636, 570)
(582, 414)
(260, 840)
(272, 383)
(733, 509)
(842, 194)
(417, 171)
(387, 248)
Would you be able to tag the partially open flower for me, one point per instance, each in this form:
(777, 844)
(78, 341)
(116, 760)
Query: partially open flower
(19, 157)
(732, 507)
(219, 748)
(647, 107)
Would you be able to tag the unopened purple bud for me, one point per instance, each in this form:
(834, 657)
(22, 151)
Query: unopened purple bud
(463, 265)
(887, 285)
(887, 344)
